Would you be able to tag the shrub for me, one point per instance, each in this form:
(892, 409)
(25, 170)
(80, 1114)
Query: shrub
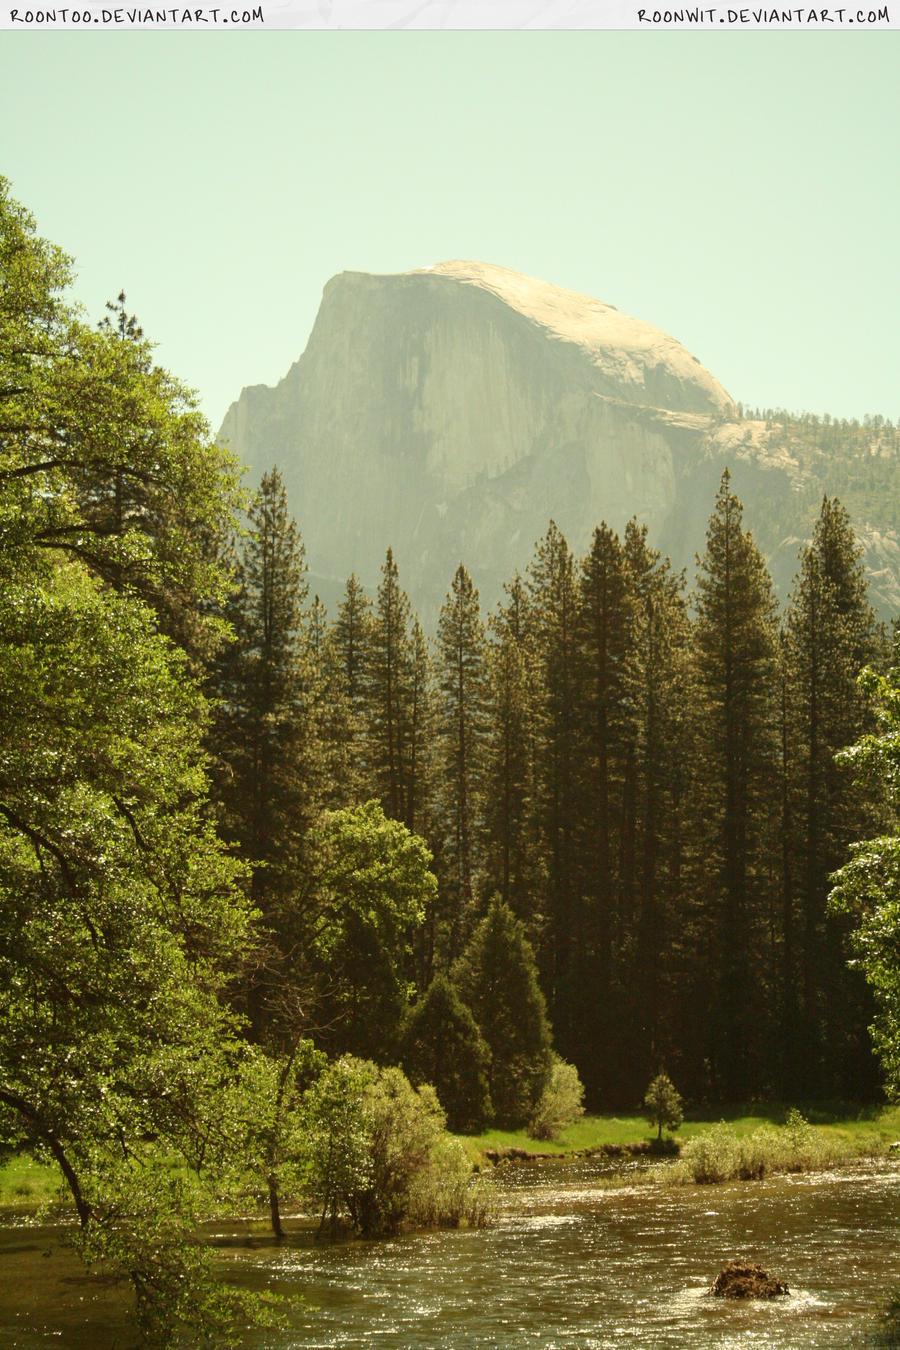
(719, 1154)
(376, 1150)
(561, 1103)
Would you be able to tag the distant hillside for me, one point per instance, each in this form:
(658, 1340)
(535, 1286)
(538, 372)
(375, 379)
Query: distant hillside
(451, 412)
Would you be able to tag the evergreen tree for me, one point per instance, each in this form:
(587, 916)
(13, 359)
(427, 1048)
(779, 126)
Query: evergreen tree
(389, 693)
(831, 635)
(497, 979)
(443, 1046)
(735, 650)
(553, 600)
(512, 854)
(461, 726)
(659, 706)
(266, 752)
(604, 770)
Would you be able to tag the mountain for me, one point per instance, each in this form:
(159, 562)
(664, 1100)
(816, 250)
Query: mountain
(451, 412)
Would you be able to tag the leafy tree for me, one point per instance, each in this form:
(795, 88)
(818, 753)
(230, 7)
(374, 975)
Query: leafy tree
(663, 1105)
(443, 1046)
(375, 1147)
(106, 458)
(867, 888)
(497, 978)
(561, 1103)
(121, 921)
(370, 890)
(119, 926)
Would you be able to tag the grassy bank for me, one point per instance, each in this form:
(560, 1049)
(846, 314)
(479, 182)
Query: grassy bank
(835, 1130)
(756, 1141)
(26, 1186)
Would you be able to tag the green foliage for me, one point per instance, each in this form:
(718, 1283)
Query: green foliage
(663, 1104)
(121, 921)
(867, 888)
(372, 889)
(443, 1046)
(376, 1150)
(720, 1154)
(106, 459)
(461, 726)
(560, 1104)
(735, 639)
(497, 979)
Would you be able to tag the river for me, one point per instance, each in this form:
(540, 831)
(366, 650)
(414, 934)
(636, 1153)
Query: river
(568, 1263)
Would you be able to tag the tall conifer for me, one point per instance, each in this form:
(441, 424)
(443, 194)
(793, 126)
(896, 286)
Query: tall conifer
(461, 727)
(266, 749)
(735, 648)
(831, 635)
(553, 598)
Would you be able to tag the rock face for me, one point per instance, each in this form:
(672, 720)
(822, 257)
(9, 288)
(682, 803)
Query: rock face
(452, 412)
(743, 1279)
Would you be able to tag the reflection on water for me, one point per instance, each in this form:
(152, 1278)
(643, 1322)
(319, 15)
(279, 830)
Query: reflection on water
(568, 1263)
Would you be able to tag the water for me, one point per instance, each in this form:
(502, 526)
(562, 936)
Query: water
(568, 1263)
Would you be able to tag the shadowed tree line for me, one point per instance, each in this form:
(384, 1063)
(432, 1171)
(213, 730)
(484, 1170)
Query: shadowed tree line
(645, 777)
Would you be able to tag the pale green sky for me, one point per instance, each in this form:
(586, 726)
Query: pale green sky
(739, 190)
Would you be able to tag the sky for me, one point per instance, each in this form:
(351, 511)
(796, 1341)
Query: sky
(739, 190)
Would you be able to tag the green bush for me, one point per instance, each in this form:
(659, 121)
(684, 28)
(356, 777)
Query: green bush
(561, 1103)
(719, 1154)
(377, 1152)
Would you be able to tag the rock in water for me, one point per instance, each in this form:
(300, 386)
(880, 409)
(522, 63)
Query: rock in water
(743, 1279)
(452, 412)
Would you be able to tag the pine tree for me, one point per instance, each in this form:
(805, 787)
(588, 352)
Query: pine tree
(658, 719)
(266, 753)
(512, 855)
(443, 1046)
(735, 649)
(831, 635)
(553, 600)
(389, 693)
(461, 729)
(348, 661)
(497, 979)
(603, 771)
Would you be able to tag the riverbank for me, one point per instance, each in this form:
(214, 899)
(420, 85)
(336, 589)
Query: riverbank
(837, 1132)
(837, 1129)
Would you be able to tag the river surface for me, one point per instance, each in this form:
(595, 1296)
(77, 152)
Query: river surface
(568, 1263)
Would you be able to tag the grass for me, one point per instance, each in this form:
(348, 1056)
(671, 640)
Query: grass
(26, 1185)
(841, 1128)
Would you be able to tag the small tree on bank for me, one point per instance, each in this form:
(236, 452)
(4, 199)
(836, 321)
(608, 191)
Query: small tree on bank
(663, 1105)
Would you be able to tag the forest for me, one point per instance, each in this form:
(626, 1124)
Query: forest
(260, 865)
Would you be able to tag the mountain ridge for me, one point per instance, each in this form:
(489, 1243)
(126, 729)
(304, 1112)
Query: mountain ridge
(451, 411)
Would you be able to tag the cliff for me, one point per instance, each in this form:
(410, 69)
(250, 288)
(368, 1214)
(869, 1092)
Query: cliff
(451, 412)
